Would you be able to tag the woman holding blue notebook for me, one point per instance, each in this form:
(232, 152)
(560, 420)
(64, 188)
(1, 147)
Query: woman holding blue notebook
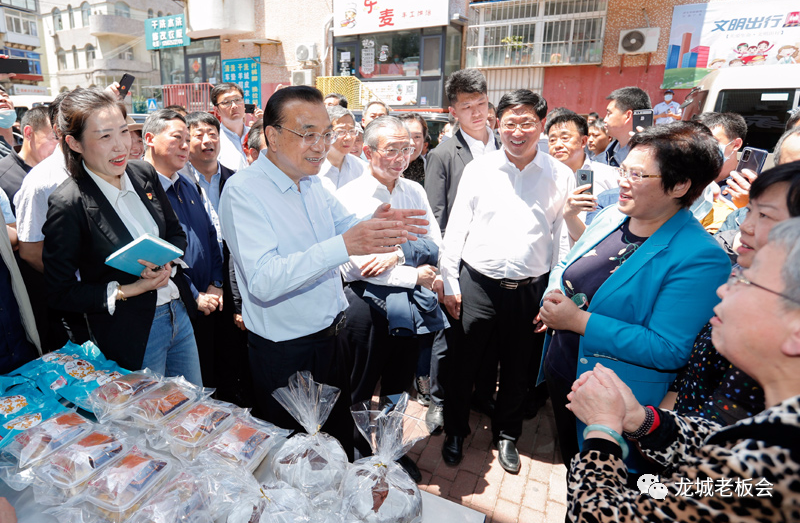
(106, 203)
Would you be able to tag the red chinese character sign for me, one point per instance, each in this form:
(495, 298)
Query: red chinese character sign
(711, 36)
(354, 17)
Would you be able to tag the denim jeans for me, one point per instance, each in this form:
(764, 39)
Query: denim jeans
(171, 348)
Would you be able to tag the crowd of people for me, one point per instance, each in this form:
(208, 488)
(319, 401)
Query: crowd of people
(656, 305)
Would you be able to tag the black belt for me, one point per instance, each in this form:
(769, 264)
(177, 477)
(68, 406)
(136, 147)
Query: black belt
(505, 283)
(332, 330)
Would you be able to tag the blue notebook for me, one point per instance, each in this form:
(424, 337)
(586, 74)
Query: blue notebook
(146, 247)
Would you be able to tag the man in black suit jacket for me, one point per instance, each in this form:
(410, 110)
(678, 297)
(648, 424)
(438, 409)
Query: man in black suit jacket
(466, 91)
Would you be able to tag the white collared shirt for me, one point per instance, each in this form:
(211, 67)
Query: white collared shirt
(476, 147)
(605, 177)
(231, 150)
(31, 199)
(507, 223)
(211, 209)
(138, 220)
(334, 178)
(362, 197)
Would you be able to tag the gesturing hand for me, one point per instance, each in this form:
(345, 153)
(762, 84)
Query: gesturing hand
(374, 237)
(410, 218)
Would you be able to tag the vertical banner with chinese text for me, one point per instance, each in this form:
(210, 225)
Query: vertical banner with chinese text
(246, 72)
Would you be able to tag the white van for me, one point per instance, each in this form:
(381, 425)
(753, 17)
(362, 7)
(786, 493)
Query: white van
(765, 95)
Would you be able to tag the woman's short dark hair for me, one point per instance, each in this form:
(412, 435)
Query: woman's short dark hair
(73, 115)
(273, 112)
(523, 97)
(685, 152)
(787, 172)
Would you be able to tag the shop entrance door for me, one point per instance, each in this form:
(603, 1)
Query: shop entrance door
(203, 68)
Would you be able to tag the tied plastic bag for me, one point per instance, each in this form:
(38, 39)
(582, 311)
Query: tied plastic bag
(246, 442)
(66, 473)
(23, 406)
(109, 401)
(279, 502)
(185, 498)
(377, 489)
(314, 462)
(36, 444)
(230, 485)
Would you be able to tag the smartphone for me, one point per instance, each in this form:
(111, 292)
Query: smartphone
(642, 118)
(249, 108)
(584, 176)
(752, 159)
(125, 85)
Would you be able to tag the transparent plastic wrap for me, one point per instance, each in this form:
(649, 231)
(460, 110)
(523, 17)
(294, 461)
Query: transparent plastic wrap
(123, 487)
(247, 441)
(191, 430)
(66, 474)
(229, 484)
(184, 498)
(327, 508)
(74, 511)
(314, 462)
(279, 503)
(377, 489)
(160, 405)
(28, 448)
(109, 402)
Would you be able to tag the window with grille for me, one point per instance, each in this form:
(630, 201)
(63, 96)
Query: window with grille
(536, 32)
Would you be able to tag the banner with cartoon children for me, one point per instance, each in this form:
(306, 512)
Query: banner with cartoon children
(705, 37)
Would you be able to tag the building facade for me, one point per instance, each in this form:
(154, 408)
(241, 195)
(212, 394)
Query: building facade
(20, 32)
(94, 43)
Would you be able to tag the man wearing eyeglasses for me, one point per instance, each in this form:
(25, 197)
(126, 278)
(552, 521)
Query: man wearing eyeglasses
(503, 236)
(288, 235)
(228, 101)
(341, 167)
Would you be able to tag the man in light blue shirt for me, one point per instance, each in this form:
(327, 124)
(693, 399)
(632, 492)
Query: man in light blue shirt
(287, 236)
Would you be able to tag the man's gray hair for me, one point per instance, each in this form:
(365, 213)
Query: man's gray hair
(336, 112)
(157, 121)
(787, 236)
(378, 126)
(794, 131)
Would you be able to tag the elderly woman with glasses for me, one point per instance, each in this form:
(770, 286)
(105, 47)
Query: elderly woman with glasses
(638, 285)
(340, 167)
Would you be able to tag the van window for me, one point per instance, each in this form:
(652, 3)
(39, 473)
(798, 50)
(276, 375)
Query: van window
(765, 111)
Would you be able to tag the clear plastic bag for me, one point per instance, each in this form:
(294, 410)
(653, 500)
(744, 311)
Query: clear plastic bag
(122, 488)
(163, 403)
(314, 462)
(23, 406)
(230, 485)
(108, 402)
(377, 489)
(185, 498)
(66, 473)
(190, 431)
(279, 502)
(247, 441)
(36, 444)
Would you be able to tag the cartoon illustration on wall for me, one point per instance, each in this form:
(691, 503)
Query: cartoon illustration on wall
(349, 16)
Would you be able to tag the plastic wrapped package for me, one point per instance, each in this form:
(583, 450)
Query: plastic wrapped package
(79, 390)
(327, 508)
(36, 444)
(279, 503)
(314, 462)
(161, 404)
(377, 489)
(66, 474)
(229, 484)
(247, 441)
(123, 487)
(109, 401)
(184, 498)
(23, 406)
(191, 430)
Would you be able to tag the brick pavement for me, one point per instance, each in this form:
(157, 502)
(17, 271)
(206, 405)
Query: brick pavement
(537, 494)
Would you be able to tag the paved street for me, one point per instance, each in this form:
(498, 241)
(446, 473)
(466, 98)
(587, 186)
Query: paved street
(537, 494)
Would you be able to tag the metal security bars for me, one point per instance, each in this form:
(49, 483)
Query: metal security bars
(518, 33)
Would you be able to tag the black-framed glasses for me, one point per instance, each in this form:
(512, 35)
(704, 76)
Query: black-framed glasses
(391, 154)
(312, 139)
(737, 276)
(634, 176)
(228, 103)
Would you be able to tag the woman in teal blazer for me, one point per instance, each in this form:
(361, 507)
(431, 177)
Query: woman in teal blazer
(641, 280)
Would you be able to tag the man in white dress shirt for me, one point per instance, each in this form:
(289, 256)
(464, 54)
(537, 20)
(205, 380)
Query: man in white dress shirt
(503, 236)
(228, 101)
(340, 167)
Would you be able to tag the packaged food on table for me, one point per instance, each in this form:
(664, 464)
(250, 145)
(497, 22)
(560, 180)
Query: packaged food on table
(314, 462)
(108, 402)
(279, 503)
(161, 404)
(229, 484)
(184, 498)
(376, 489)
(191, 430)
(124, 486)
(247, 441)
(35, 444)
(66, 473)
(23, 406)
